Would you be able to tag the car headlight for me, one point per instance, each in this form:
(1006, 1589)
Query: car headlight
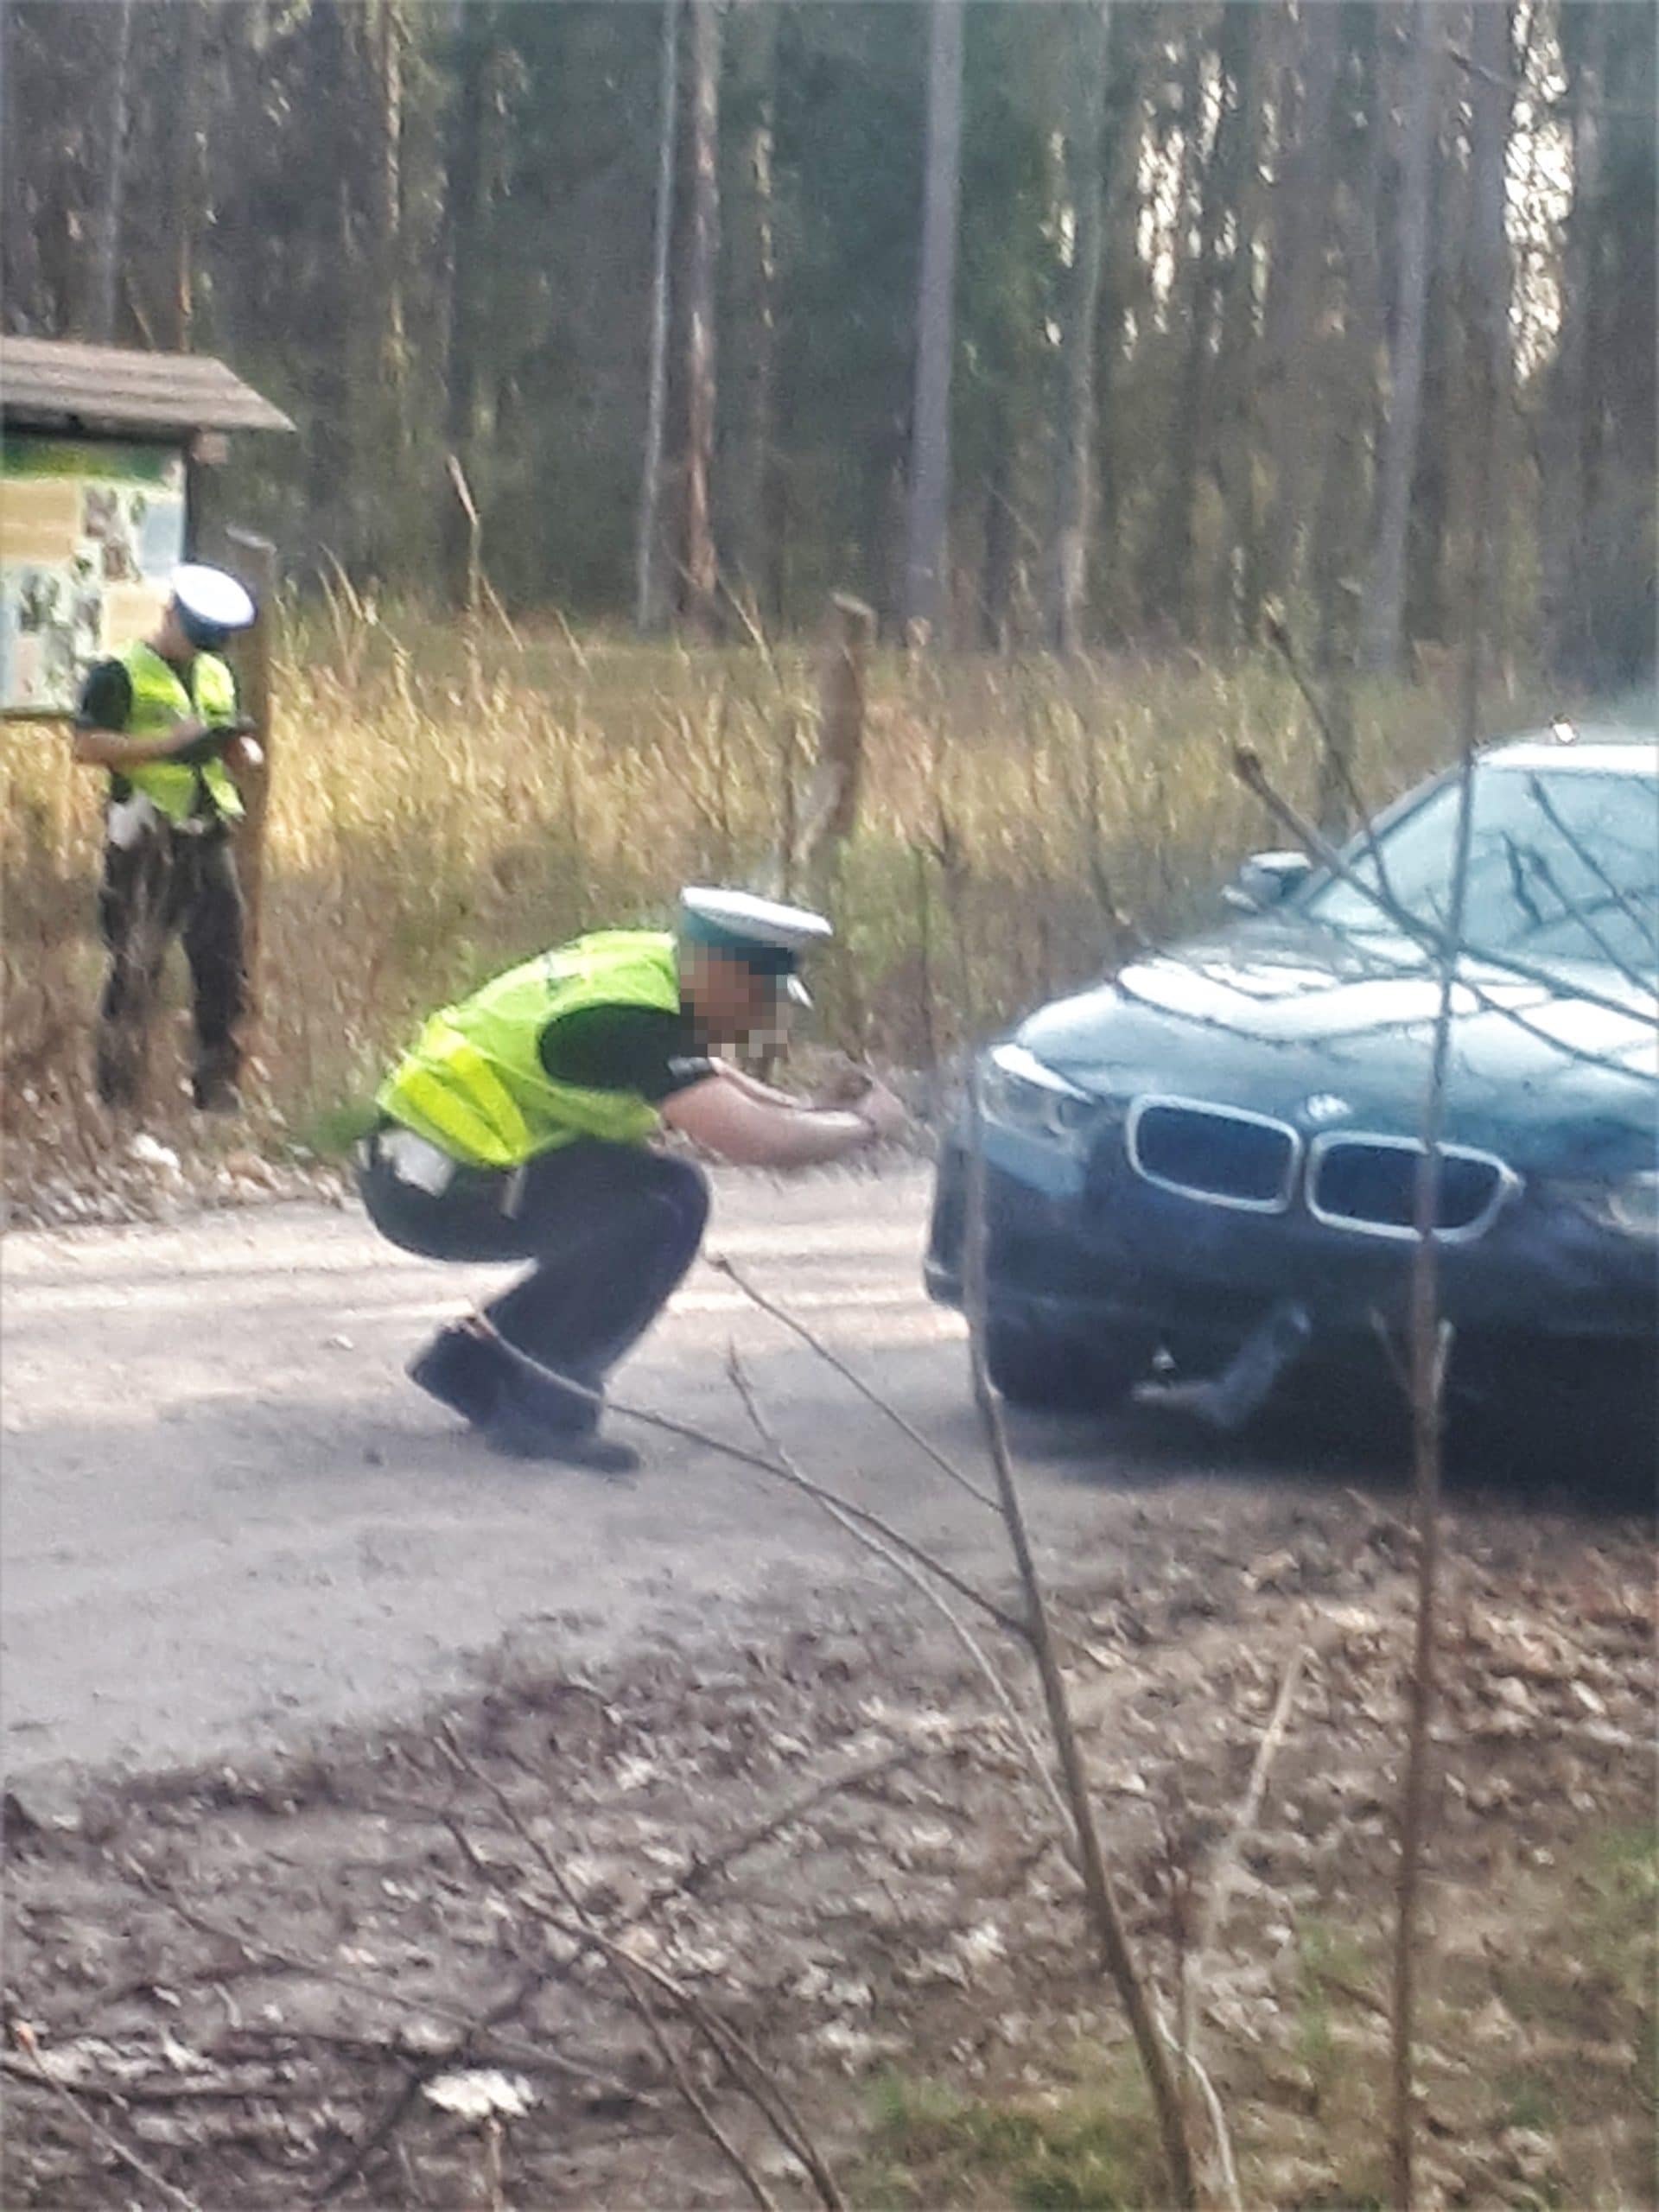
(1628, 1205)
(1017, 1092)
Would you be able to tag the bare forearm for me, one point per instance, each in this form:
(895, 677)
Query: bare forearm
(756, 1133)
(752, 1087)
(108, 748)
(802, 1136)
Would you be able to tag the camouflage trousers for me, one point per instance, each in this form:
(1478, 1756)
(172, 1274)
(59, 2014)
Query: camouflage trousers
(164, 882)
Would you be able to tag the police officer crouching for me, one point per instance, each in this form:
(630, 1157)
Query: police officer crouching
(162, 718)
(519, 1126)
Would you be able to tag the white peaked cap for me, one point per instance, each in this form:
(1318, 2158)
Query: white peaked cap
(738, 920)
(763, 934)
(211, 596)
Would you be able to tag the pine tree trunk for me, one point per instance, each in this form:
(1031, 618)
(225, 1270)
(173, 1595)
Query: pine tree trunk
(1490, 276)
(1001, 534)
(381, 393)
(22, 202)
(1337, 552)
(1125, 293)
(1173, 580)
(702, 566)
(1300, 215)
(751, 509)
(467, 199)
(184, 182)
(1074, 477)
(1385, 595)
(1236, 598)
(331, 478)
(385, 199)
(1571, 456)
(927, 557)
(106, 294)
(647, 596)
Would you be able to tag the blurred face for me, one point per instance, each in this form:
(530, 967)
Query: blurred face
(171, 642)
(733, 1005)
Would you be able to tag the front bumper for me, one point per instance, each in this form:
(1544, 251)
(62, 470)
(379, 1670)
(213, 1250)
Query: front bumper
(1085, 1246)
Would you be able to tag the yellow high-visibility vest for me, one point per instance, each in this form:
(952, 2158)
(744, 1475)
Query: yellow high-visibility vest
(473, 1082)
(160, 702)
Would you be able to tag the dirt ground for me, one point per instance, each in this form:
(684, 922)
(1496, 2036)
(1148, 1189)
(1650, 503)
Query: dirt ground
(344, 1762)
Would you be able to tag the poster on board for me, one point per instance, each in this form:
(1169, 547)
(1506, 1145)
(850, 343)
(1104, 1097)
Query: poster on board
(90, 533)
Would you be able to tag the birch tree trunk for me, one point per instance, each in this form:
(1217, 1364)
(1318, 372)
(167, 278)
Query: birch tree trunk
(926, 559)
(1385, 595)
(702, 250)
(1074, 467)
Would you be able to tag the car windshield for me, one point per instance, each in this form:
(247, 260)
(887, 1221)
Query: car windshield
(1563, 865)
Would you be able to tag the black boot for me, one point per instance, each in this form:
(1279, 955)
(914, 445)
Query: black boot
(463, 1371)
(518, 1434)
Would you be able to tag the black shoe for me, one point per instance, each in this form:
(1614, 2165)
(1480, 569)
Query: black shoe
(463, 1371)
(518, 1435)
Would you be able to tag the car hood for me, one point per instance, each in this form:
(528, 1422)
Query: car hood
(1284, 1018)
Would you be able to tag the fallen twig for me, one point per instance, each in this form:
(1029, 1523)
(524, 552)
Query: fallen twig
(155, 2090)
(74, 2101)
(740, 2059)
(1224, 1875)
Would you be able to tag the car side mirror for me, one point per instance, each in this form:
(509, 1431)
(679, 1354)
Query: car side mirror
(1266, 881)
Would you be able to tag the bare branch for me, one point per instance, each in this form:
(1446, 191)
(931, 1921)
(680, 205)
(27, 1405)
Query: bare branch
(1586, 856)
(1430, 1348)
(1335, 751)
(1247, 767)
(975, 1651)
(946, 1466)
(752, 1459)
(1103, 1908)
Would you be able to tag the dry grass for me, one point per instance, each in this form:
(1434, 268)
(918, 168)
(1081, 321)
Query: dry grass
(446, 803)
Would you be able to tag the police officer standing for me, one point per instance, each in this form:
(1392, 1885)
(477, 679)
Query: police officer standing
(518, 1126)
(161, 717)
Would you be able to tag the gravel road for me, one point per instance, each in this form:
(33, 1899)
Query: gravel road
(231, 1522)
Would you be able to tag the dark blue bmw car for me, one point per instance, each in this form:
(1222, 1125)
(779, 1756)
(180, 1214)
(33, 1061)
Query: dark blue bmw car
(1205, 1167)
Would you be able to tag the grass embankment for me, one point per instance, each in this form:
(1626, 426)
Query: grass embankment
(443, 807)
(1542, 2027)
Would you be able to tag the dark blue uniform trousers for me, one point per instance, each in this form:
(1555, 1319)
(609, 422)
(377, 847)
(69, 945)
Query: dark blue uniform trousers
(612, 1230)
